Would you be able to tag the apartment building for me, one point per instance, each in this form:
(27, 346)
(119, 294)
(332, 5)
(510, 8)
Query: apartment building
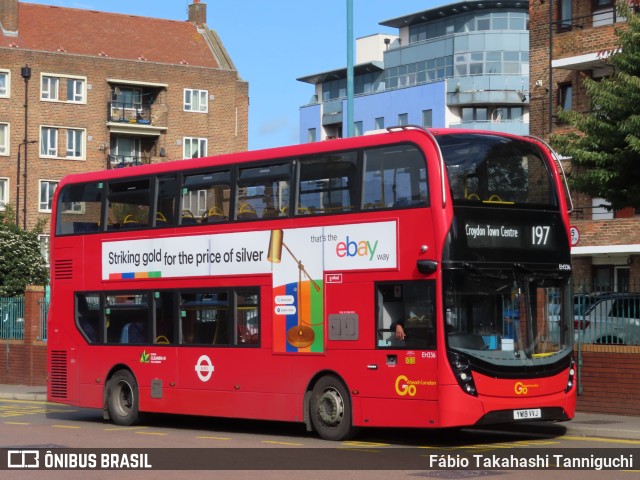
(571, 39)
(465, 65)
(84, 90)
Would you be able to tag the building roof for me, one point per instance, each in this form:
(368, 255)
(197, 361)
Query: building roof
(110, 35)
(338, 73)
(451, 9)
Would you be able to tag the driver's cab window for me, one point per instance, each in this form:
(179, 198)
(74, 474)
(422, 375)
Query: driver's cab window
(406, 315)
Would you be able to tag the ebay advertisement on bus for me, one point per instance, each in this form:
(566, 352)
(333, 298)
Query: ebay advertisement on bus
(338, 247)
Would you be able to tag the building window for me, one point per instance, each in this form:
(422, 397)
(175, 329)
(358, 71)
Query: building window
(49, 89)
(357, 129)
(566, 15)
(427, 118)
(196, 100)
(5, 77)
(470, 114)
(311, 135)
(403, 119)
(50, 86)
(379, 123)
(75, 141)
(4, 139)
(48, 142)
(4, 192)
(75, 90)
(565, 99)
(194, 147)
(47, 187)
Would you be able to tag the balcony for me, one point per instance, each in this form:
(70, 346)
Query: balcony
(123, 161)
(129, 113)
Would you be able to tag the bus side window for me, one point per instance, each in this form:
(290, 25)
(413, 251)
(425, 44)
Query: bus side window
(204, 318)
(412, 307)
(263, 192)
(165, 201)
(328, 184)
(128, 204)
(164, 317)
(79, 208)
(247, 317)
(394, 177)
(88, 316)
(127, 318)
(205, 198)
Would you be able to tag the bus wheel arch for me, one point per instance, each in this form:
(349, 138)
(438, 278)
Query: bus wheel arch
(121, 397)
(328, 407)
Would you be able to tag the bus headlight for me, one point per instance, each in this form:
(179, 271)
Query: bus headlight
(462, 371)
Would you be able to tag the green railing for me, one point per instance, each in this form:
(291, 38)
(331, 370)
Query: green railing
(12, 318)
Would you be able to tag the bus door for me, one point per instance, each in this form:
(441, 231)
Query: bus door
(405, 364)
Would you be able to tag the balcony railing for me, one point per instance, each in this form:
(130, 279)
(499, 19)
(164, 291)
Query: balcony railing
(122, 161)
(129, 113)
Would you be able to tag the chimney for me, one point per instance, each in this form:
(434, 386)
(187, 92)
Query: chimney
(9, 16)
(198, 13)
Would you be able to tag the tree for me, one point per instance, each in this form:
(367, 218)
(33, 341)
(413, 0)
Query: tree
(605, 145)
(21, 262)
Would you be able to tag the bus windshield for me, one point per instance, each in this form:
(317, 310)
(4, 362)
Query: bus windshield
(497, 170)
(508, 320)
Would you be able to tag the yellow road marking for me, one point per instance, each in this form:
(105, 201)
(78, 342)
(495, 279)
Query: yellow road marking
(65, 426)
(17, 423)
(119, 429)
(356, 443)
(602, 439)
(37, 402)
(213, 438)
(281, 443)
(151, 433)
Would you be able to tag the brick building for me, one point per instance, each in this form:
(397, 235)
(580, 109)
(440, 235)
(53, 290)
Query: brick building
(570, 39)
(83, 90)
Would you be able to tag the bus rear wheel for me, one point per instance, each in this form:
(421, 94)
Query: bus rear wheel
(330, 409)
(122, 398)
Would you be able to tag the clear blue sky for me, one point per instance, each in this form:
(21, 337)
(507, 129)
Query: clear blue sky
(272, 43)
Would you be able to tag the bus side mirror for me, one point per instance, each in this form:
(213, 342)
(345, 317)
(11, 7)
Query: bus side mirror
(427, 266)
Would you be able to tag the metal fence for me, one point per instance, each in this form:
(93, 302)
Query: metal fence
(12, 318)
(607, 314)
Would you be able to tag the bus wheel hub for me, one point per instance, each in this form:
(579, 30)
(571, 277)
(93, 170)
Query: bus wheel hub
(331, 407)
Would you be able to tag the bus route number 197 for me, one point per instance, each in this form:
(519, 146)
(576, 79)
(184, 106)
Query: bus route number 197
(540, 235)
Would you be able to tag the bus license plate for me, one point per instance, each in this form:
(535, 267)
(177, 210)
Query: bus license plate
(526, 414)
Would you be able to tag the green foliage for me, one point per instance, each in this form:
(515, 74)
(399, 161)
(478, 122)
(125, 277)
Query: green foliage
(606, 144)
(21, 262)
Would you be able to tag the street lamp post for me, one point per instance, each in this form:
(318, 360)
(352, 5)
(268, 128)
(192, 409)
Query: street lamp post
(26, 74)
(22, 144)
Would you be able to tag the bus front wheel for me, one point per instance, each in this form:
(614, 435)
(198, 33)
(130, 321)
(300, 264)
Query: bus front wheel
(330, 409)
(122, 398)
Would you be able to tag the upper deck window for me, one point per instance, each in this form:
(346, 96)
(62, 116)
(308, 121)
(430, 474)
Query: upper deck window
(128, 204)
(495, 170)
(394, 177)
(79, 209)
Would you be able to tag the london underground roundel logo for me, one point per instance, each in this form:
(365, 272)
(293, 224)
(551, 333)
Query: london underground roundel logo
(204, 368)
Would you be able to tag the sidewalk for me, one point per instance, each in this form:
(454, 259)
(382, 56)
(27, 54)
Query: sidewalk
(583, 425)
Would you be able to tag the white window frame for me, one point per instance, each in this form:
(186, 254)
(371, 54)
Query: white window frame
(4, 146)
(78, 94)
(49, 86)
(6, 91)
(76, 132)
(52, 143)
(202, 144)
(48, 201)
(4, 192)
(202, 96)
(51, 91)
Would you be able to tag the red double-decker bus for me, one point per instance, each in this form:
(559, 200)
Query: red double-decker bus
(405, 279)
